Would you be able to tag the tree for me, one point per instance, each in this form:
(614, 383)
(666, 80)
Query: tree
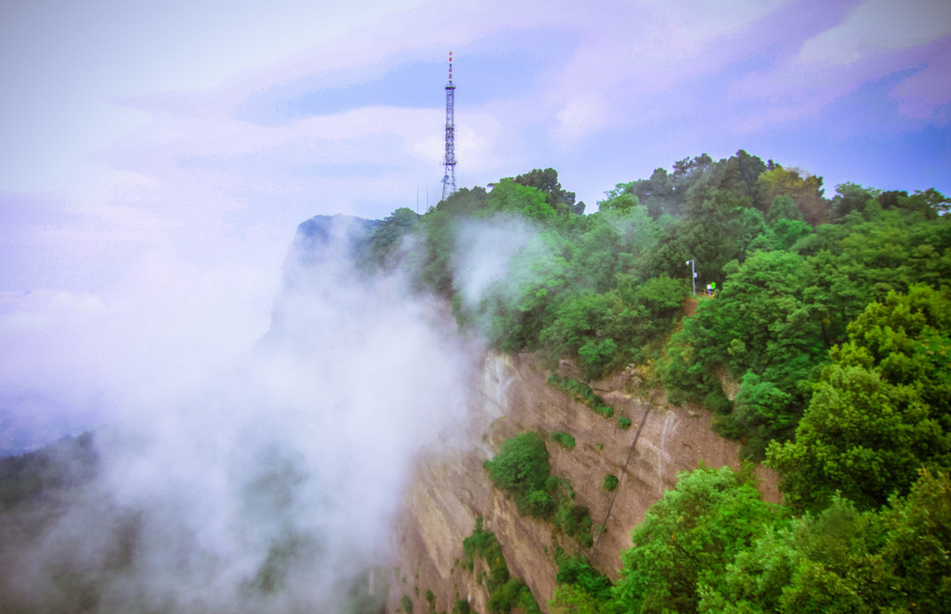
(853, 197)
(464, 201)
(547, 182)
(844, 560)
(521, 468)
(916, 550)
(689, 537)
(782, 207)
(717, 227)
(816, 564)
(880, 411)
(806, 190)
(763, 331)
(510, 196)
(387, 238)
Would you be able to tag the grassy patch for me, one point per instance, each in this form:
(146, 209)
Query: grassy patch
(566, 440)
(582, 393)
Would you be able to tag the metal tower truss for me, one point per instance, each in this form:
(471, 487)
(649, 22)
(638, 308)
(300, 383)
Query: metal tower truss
(449, 178)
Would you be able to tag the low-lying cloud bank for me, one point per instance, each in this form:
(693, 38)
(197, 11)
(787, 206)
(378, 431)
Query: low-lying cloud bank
(271, 486)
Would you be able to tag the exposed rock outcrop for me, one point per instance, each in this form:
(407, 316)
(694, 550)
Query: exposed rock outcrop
(450, 489)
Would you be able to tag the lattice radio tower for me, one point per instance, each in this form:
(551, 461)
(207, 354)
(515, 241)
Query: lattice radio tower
(449, 178)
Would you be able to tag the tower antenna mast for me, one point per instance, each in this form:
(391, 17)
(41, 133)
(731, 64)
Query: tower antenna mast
(449, 178)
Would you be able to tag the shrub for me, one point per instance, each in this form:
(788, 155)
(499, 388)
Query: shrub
(582, 393)
(566, 440)
(521, 468)
(610, 483)
(575, 522)
(505, 592)
(406, 604)
(623, 422)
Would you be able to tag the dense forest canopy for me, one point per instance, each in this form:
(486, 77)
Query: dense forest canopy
(825, 350)
(792, 267)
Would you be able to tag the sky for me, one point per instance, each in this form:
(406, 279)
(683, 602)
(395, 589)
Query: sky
(155, 158)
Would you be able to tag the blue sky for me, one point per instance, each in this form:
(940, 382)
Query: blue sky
(155, 158)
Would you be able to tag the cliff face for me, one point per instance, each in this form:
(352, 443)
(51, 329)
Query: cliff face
(450, 490)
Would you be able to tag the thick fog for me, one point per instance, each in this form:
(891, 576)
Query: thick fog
(271, 486)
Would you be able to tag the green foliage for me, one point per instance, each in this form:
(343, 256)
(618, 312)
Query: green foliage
(582, 393)
(843, 560)
(582, 588)
(783, 208)
(610, 483)
(386, 239)
(880, 411)
(574, 520)
(916, 550)
(566, 440)
(763, 330)
(624, 422)
(607, 289)
(464, 202)
(711, 546)
(804, 191)
(546, 181)
(688, 538)
(521, 468)
(406, 604)
(570, 599)
(578, 571)
(510, 197)
(505, 592)
(461, 607)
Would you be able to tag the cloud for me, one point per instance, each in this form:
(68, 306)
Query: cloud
(878, 26)
(927, 93)
(873, 41)
(270, 484)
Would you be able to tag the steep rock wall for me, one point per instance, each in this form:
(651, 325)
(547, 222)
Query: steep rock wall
(450, 489)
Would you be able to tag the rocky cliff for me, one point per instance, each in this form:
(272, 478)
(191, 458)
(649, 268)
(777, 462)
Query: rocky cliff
(450, 489)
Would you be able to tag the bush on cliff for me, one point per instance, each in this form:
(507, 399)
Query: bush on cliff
(521, 469)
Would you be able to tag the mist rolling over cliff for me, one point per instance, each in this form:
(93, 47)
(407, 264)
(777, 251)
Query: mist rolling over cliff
(272, 486)
(512, 399)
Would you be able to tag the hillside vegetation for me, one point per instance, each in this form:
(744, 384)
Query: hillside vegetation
(824, 351)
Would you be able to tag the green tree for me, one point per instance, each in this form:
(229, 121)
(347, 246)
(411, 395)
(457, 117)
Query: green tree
(521, 468)
(815, 565)
(880, 411)
(547, 182)
(844, 560)
(762, 330)
(852, 197)
(805, 189)
(509, 196)
(782, 208)
(386, 239)
(464, 201)
(689, 537)
(916, 552)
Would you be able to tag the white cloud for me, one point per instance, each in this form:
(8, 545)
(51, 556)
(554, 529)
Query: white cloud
(878, 26)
